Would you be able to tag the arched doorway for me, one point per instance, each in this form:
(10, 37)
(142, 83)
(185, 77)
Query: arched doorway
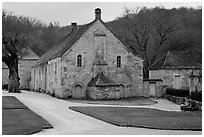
(122, 91)
(77, 92)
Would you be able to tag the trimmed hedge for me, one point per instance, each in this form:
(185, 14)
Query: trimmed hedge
(196, 95)
(177, 92)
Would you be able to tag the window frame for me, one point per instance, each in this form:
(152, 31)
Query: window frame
(55, 68)
(118, 61)
(79, 60)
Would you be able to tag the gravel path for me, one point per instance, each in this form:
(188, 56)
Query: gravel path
(66, 121)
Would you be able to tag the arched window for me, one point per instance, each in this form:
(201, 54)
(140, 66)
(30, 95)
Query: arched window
(118, 61)
(79, 61)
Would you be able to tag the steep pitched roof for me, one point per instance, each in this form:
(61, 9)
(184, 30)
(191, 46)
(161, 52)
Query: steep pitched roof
(102, 80)
(63, 44)
(66, 42)
(30, 54)
(175, 60)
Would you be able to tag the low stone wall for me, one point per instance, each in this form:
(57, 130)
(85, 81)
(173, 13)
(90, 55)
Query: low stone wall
(106, 92)
(183, 100)
(198, 104)
(159, 92)
(175, 99)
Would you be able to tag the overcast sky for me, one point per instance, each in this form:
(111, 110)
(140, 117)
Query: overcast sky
(80, 12)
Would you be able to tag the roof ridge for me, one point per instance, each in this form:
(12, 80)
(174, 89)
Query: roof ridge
(76, 35)
(99, 75)
(166, 58)
(158, 59)
(63, 45)
(71, 37)
(29, 47)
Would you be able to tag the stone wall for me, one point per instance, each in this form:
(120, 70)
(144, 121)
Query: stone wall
(63, 73)
(47, 78)
(104, 92)
(130, 74)
(24, 70)
(167, 76)
(38, 80)
(195, 83)
(54, 77)
(5, 74)
(158, 88)
(184, 100)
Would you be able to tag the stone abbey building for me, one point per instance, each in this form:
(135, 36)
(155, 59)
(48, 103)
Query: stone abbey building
(178, 70)
(89, 62)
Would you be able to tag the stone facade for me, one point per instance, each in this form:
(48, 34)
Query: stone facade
(195, 82)
(129, 74)
(24, 70)
(105, 92)
(159, 90)
(5, 74)
(65, 78)
(168, 77)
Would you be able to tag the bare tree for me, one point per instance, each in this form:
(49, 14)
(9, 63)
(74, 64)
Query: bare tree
(15, 31)
(162, 27)
(10, 58)
(137, 35)
(146, 33)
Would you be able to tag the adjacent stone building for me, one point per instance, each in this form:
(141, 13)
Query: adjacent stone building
(153, 87)
(175, 69)
(195, 82)
(89, 62)
(24, 69)
(5, 73)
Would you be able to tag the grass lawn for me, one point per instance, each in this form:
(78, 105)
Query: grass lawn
(17, 119)
(145, 118)
(10, 102)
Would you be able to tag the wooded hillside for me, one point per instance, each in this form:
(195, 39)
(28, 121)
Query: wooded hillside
(148, 32)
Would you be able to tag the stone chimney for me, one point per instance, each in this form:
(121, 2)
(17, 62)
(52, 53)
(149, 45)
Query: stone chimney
(74, 25)
(97, 13)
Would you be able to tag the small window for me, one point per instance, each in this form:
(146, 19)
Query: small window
(79, 61)
(118, 61)
(55, 67)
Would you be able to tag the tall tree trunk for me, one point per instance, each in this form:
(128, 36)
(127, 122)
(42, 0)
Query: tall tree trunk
(146, 65)
(13, 84)
(145, 71)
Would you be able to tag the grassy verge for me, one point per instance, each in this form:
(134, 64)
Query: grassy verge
(145, 118)
(17, 119)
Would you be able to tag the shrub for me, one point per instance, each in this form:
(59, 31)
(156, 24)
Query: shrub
(177, 92)
(196, 95)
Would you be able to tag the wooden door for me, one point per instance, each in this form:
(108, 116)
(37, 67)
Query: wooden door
(177, 81)
(122, 91)
(77, 91)
(152, 89)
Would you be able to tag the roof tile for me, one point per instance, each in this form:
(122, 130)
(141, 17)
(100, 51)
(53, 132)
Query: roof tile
(175, 60)
(102, 80)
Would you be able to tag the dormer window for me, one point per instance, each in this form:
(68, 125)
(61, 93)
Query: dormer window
(79, 61)
(118, 61)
